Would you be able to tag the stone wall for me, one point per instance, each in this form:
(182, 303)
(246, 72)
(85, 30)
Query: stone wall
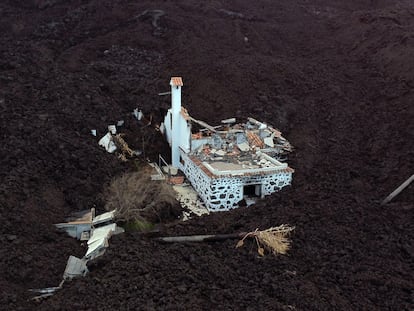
(224, 193)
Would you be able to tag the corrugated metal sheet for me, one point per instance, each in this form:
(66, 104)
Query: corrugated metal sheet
(99, 240)
(108, 216)
(75, 267)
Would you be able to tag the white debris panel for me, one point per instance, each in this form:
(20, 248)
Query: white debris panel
(75, 267)
(105, 217)
(98, 241)
(108, 143)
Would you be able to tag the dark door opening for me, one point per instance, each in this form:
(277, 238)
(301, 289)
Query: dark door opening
(252, 190)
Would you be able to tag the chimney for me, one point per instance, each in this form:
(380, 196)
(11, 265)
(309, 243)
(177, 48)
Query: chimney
(176, 84)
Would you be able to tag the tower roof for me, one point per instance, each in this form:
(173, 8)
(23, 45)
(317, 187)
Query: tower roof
(176, 81)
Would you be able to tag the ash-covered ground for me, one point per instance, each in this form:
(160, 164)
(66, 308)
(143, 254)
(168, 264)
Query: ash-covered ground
(336, 77)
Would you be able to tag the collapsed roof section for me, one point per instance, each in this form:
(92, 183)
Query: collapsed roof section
(240, 148)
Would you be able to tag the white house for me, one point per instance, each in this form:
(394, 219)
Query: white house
(227, 163)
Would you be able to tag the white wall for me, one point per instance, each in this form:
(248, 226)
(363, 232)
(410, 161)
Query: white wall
(224, 193)
(182, 138)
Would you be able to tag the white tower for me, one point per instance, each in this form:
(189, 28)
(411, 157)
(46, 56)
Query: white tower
(176, 84)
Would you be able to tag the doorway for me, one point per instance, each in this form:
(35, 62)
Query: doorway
(252, 190)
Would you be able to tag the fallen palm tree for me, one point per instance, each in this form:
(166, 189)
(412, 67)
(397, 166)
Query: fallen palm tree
(275, 239)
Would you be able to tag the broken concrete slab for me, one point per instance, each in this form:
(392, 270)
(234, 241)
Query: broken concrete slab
(269, 141)
(244, 146)
(98, 234)
(220, 153)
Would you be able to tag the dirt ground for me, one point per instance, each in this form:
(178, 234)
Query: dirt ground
(335, 76)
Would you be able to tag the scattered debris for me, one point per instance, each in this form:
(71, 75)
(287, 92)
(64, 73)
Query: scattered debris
(84, 225)
(397, 191)
(231, 13)
(45, 292)
(75, 267)
(113, 141)
(229, 121)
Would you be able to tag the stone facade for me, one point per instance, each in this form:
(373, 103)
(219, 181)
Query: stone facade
(225, 192)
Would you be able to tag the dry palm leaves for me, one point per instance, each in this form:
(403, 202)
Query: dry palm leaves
(123, 146)
(274, 239)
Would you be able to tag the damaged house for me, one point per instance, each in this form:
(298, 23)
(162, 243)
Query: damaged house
(227, 163)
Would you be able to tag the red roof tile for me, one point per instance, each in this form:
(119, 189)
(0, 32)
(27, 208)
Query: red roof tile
(176, 81)
(254, 139)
